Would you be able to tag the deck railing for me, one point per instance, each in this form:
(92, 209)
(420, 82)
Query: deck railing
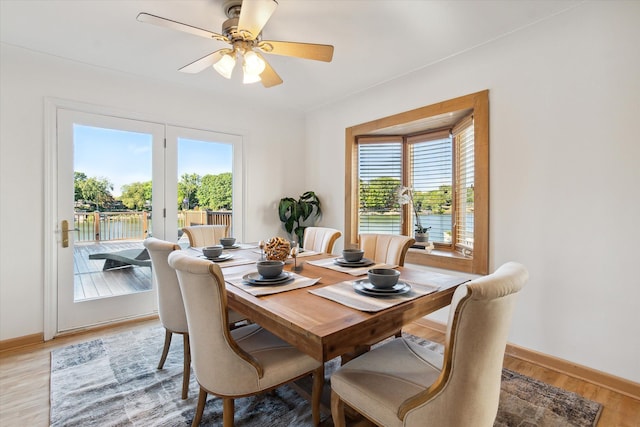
(134, 225)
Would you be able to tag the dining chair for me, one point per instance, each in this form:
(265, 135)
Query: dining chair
(320, 239)
(245, 361)
(170, 304)
(402, 383)
(388, 248)
(205, 235)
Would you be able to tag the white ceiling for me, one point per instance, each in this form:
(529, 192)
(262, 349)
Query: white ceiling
(375, 40)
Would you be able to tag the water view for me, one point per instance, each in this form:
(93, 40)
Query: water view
(440, 225)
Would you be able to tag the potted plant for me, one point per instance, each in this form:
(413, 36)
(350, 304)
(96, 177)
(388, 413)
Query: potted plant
(405, 196)
(293, 213)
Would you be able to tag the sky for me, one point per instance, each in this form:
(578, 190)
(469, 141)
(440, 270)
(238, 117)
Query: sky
(124, 157)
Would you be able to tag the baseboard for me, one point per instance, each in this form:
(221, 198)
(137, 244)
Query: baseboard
(19, 343)
(612, 382)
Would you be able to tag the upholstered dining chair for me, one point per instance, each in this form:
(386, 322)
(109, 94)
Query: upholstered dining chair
(403, 384)
(387, 248)
(242, 362)
(170, 304)
(205, 235)
(320, 239)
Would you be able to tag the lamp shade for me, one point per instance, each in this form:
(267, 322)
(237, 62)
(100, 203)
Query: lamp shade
(225, 65)
(250, 78)
(253, 64)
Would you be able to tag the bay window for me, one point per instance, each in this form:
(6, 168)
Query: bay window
(440, 153)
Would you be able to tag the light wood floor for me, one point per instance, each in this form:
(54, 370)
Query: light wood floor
(24, 381)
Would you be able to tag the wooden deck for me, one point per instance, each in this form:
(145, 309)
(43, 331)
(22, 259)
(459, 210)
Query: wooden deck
(90, 281)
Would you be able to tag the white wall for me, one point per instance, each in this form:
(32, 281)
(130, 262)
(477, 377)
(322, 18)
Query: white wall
(26, 78)
(564, 181)
(564, 176)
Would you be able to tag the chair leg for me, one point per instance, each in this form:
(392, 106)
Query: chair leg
(165, 350)
(228, 412)
(187, 366)
(202, 399)
(337, 410)
(316, 393)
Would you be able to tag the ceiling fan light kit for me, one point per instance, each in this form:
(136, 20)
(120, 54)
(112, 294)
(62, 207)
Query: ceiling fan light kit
(225, 65)
(243, 31)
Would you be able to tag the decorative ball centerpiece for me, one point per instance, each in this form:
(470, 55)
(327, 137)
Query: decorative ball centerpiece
(277, 249)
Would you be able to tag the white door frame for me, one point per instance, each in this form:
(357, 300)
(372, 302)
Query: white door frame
(173, 133)
(50, 226)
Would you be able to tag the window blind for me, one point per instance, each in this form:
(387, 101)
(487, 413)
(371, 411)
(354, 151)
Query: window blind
(464, 145)
(380, 175)
(431, 177)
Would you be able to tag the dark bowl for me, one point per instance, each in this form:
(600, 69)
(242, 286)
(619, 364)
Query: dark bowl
(270, 269)
(227, 241)
(383, 277)
(352, 255)
(212, 251)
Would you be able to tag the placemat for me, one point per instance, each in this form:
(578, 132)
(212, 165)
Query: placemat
(300, 254)
(344, 294)
(235, 261)
(330, 264)
(235, 279)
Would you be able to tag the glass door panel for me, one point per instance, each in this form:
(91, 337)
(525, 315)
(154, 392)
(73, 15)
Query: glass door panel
(109, 197)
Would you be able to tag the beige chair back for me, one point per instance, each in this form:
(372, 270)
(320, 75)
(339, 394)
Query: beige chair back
(218, 362)
(170, 305)
(468, 389)
(388, 248)
(320, 239)
(205, 235)
(238, 363)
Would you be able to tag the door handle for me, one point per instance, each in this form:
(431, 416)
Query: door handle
(65, 233)
(64, 229)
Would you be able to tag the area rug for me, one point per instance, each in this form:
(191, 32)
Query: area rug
(113, 381)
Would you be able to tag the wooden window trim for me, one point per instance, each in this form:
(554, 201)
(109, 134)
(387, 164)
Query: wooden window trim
(440, 257)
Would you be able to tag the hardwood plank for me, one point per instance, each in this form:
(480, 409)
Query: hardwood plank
(25, 375)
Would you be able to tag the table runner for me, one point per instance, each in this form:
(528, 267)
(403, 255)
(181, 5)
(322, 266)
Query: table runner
(330, 264)
(235, 279)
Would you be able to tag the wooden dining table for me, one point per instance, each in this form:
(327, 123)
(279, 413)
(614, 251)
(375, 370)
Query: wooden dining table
(325, 329)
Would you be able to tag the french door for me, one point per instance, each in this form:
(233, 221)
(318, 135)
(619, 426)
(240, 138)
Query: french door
(107, 172)
(97, 158)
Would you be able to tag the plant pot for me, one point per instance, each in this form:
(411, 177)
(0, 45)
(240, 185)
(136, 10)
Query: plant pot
(422, 237)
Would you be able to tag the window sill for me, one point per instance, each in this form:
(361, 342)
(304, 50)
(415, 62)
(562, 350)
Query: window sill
(445, 259)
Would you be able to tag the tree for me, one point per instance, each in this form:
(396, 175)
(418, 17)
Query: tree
(94, 190)
(79, 178)
(380, 194)
(136, 195)
(187, 190)
(438, 201)
(215, 191)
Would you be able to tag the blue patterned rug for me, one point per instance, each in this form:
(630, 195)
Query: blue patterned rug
(113, 381)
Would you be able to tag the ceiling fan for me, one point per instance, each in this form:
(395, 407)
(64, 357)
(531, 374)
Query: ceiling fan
(243, 32)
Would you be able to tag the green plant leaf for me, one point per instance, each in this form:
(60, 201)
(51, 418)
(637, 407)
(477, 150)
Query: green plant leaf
(293, 212)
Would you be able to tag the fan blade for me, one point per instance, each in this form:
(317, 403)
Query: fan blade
(269, 77)
(254, 14)
(204, 62)
(318, 52)
(175, 25)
